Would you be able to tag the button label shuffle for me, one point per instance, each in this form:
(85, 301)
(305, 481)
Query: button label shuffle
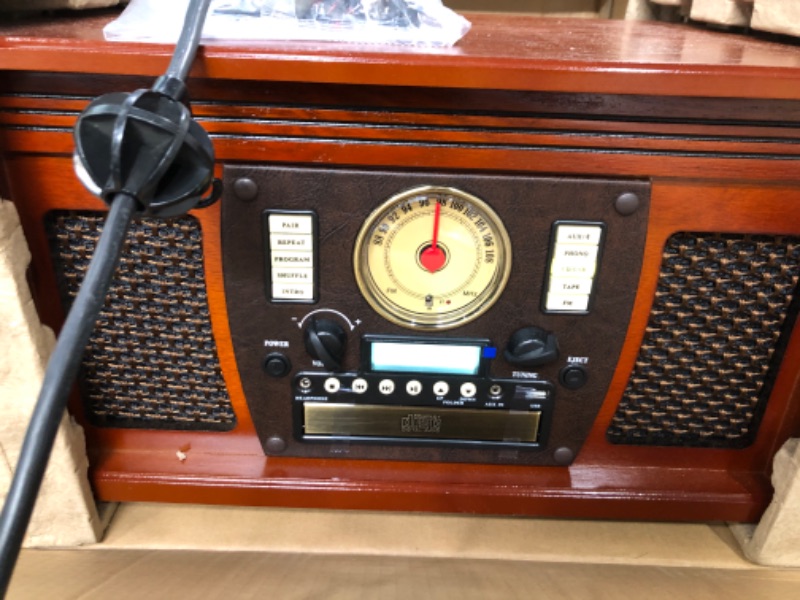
(293, 275)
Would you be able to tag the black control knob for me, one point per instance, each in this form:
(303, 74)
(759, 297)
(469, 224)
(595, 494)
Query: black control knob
(531, 347)
(325, 341)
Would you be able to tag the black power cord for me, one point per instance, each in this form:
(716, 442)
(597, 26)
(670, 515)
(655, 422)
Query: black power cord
(144, 155)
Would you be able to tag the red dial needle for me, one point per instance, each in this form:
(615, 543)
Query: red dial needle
(433, 257)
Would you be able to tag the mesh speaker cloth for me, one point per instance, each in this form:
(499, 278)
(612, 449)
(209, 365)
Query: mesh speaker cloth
(722, 312)
(152, 360)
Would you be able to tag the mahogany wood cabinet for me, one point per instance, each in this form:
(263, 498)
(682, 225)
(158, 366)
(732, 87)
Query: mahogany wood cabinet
(627, 194)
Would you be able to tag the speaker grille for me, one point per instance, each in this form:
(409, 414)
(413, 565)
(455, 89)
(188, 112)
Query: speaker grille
(711, 346)
(152, 360)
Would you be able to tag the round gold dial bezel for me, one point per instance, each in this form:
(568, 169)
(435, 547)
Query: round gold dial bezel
(475, 223)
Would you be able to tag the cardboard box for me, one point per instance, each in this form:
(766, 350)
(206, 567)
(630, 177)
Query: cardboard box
(173, 551)
(774, 16)
(32, 5)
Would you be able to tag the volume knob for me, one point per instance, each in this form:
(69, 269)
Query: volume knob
(531, 347)
(325, 340)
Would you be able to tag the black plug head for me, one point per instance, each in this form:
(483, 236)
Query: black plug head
(145, 144)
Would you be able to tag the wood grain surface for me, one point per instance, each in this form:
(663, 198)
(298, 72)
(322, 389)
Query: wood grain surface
(710, 119)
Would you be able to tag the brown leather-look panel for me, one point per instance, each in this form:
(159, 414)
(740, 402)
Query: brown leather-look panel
(342, 199)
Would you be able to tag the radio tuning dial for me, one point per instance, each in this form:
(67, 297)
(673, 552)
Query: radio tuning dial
(432, 258)
(531, 347)
(325, 340)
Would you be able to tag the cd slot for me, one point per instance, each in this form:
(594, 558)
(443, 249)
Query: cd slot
(338, 420)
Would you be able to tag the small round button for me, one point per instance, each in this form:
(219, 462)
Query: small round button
(413, 387)
(332, 385)
(440, 388)
(277, 364)
(573, 377)
(386, 386)
(360, 385)
(468, 390)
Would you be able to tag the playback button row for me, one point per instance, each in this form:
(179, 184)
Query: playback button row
(376, 386)
(421, 390)
(387, 387)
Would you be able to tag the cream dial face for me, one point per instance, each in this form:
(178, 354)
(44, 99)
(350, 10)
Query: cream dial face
(432, 258)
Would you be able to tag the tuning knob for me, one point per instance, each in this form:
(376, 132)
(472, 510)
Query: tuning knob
(531, 347)
(325, 341)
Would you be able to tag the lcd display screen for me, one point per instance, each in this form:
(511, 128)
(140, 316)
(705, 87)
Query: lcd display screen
(447, 359)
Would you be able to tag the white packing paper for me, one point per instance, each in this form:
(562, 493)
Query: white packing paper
(424, 23)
